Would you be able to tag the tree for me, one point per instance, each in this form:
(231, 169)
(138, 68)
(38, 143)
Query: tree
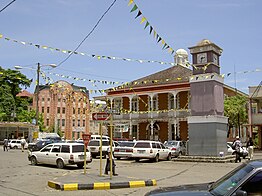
(236, 111)
(10, 82)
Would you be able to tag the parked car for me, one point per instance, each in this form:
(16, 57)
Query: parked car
(39, 144)
(144, 149)
(97, 137)
(243, 150)
(244, 180)
(94, 147)
(60, 154)
(124, 150)
(16, 144)
(177, 147)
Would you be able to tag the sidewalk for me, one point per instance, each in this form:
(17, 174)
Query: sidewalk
(92, 181)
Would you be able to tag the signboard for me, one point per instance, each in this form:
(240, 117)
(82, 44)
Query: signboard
(86, 138)
(100, 116)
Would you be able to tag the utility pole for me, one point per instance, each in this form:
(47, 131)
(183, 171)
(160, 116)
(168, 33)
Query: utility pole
(37, 93)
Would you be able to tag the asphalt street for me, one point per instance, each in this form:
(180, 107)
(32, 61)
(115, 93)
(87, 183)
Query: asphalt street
(19, 177)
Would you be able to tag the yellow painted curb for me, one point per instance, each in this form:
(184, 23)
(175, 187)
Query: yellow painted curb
(101, 185)
(70, 187)
(134, 184)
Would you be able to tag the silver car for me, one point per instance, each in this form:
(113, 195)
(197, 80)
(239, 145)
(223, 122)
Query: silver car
(177, 147)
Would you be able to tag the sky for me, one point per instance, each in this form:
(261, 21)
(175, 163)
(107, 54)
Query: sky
(233, 25)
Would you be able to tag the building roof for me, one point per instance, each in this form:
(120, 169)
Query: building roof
(174, 74)
(24, 93)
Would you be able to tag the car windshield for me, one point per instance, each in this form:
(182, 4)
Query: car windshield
(172, 143)
(229, 181)
(77, 148)
(126, 144)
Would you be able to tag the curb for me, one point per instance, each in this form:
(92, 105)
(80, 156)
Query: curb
(101, 185)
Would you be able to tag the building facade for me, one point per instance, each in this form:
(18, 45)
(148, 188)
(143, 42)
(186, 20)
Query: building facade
(157, 107)
(64, 107)
(255, 113)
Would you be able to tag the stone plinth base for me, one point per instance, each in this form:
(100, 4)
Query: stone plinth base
(208, 159)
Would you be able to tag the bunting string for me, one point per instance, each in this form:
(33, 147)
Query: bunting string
(94, 56)
(152, 30)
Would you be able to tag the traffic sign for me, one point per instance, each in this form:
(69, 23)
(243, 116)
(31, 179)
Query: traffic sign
(100, 116)
(86, 137)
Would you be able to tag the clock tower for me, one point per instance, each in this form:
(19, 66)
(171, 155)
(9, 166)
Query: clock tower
(207, 124)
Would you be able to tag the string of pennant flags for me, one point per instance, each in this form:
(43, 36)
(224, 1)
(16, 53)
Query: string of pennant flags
(94, 56)
(133, 84)
(152, 30)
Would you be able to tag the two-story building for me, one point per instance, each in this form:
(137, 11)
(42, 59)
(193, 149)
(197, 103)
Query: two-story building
(156, 107)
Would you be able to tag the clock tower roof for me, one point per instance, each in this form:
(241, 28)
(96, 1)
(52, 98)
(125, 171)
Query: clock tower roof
(204, 42)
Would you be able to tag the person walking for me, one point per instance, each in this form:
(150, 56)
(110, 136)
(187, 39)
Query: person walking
(107, 168)
(237, 146)
(23, 144)
(5, 145)
(250, 148)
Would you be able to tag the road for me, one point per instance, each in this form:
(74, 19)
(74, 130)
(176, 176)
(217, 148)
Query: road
(18, 177)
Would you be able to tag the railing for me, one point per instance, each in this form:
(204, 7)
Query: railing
(154, 115)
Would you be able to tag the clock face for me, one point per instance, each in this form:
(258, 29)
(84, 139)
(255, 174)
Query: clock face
(215, 59)
(201, 58)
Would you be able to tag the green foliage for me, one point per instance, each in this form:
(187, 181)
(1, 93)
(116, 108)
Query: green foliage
(235, 109)
(10, 82)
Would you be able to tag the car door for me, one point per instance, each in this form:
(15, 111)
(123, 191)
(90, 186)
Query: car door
(43, 154)
(54, 153)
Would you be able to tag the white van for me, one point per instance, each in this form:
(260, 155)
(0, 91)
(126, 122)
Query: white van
(60, 154)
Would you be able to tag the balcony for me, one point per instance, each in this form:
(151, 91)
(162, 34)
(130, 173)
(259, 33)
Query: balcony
(154, 115)
(257, 119)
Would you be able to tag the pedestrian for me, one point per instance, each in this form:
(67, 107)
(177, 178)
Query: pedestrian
(237, 145)
(5, 145)
(250, 148)
(107, 168)
(23, 144)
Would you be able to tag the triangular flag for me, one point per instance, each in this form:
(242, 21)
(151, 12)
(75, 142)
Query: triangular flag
(138, 14)
(147, 23)
(130, 2)
(151, 29)
(134, 8)
(143, 20)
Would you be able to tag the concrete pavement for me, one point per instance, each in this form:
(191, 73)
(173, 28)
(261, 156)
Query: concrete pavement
(93, 181)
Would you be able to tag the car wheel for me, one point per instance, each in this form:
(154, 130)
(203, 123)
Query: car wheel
(33, 161)
(118, 158)
(169, 157)
(93, 156)
(15, 147)
(136, 159)
(157, 158)
(80, 165)
(60, 164)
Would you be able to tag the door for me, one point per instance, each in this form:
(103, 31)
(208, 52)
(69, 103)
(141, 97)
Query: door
(43, 155)
(54, 154)
(164, 151)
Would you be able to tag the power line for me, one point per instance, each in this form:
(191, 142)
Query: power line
(87, 35)
(7, 5)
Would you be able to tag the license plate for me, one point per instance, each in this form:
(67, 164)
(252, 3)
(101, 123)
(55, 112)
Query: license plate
(81, 156)
(141, 151)
(122, 150)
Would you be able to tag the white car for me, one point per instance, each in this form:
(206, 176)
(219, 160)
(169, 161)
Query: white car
(94, 147)
(152, 150)
(16, 144)
(124, 150)
(60, 154)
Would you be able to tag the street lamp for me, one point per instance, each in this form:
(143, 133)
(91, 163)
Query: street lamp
(37, 85)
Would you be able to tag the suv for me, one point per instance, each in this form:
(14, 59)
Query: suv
(94, 147)
(60, 154)
(15, 144)
(152, 150)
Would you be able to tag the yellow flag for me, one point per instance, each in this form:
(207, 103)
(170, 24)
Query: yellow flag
(130, 2)
(1, 36)
(143, 20)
